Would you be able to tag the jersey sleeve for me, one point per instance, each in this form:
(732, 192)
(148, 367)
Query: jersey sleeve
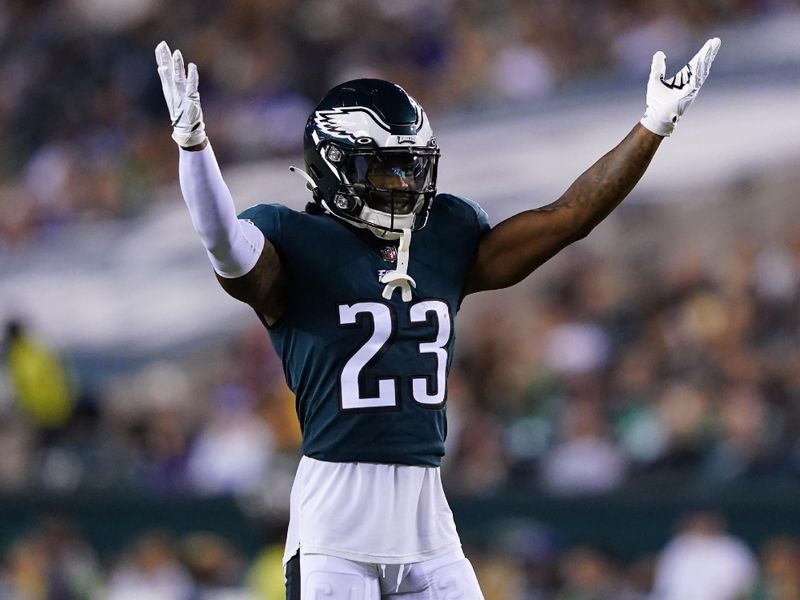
(269, 219)
(481, 218)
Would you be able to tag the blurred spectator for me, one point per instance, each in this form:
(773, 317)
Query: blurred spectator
(642, 433)
(265, 577)
(53, 561)
(159, 417)
(217, 569)
(780, 576)
(587, 575)
(500, 576)
(575, 348)
(703, 562)
(232, 452)
(17, 448)
(684, 411)
(531, 548)
(522, 72)
(39, 379)
(151, 570)
(748, 434)
(584, 459)
(474, 442)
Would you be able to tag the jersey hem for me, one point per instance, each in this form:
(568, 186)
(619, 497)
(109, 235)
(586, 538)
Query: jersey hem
(373, 460)
(382, 559)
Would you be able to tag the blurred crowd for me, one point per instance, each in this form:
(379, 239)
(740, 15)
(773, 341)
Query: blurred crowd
(54, 561)
(211, 425)
(701, 561)
(84, 133)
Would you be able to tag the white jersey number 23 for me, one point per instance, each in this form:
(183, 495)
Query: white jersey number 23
(383, 328)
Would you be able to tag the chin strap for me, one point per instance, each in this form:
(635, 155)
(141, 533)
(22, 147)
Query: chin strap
(399, 277)
(309, 182)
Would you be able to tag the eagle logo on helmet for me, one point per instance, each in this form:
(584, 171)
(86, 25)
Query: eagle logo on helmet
(354, 122)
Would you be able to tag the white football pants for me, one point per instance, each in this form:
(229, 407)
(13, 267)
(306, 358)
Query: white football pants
(446, 577)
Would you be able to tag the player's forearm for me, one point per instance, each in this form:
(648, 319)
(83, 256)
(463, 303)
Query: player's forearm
(604, 185)
(233, 246)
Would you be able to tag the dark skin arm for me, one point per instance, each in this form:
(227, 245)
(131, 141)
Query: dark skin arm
(516, 247)
(264, 286)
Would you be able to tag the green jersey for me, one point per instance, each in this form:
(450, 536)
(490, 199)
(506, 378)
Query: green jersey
(370, 374)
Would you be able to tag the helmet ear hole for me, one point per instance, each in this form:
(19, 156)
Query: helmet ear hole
(343, 202)
(334, 154)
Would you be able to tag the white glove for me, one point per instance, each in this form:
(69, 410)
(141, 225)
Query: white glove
(668, 99)
(183, 101)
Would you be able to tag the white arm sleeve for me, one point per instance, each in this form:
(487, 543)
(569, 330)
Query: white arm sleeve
(233, 245)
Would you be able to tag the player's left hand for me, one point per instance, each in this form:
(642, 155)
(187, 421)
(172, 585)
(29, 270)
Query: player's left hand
(183, 100)
(668, 99)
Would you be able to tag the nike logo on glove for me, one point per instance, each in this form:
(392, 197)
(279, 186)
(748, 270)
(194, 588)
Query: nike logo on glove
(680, 79)
(178, 118)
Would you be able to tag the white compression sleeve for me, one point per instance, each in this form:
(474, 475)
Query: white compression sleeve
(233, 245)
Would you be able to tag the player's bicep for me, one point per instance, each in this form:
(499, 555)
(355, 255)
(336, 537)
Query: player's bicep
(264, 287)
(512, 250)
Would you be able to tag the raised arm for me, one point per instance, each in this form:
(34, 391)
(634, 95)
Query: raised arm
(516, 247)
(246, 263)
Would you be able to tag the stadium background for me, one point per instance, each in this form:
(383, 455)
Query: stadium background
(610, 419)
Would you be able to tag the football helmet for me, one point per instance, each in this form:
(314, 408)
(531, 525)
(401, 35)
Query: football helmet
(371, 157)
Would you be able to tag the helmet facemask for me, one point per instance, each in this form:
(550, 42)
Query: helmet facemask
(384, 190)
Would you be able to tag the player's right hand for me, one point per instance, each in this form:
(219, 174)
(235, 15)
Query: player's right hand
(668, 99)
(183, 100)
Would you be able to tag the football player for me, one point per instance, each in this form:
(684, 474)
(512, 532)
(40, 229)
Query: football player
(359, 294)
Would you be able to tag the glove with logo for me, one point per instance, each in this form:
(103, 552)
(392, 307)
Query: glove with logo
(668, 99)
(180, 92)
